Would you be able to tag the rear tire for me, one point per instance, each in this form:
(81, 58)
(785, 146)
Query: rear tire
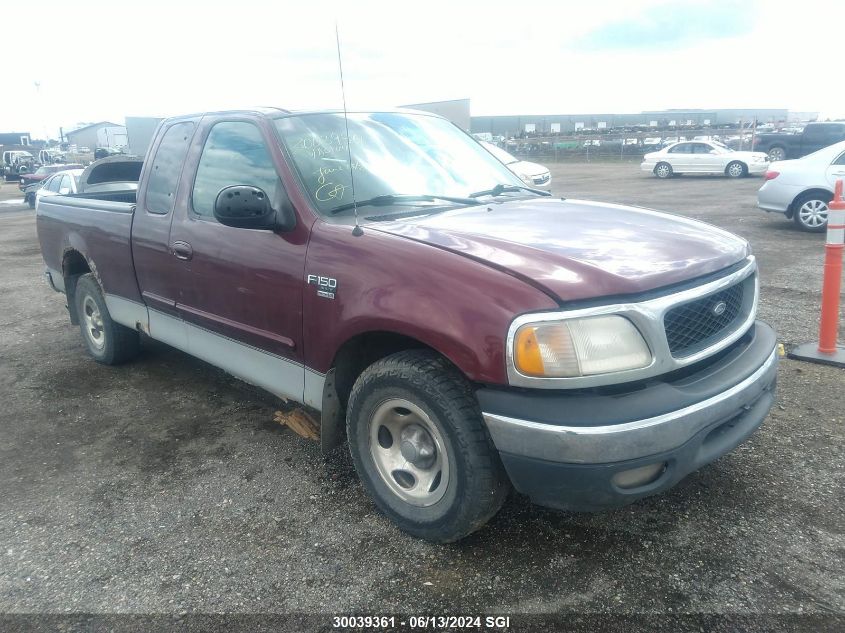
(777, 153)
(421, 449)
(30, 200)
(663, 170)
(736, 169)
(108, 342)
(811, 212)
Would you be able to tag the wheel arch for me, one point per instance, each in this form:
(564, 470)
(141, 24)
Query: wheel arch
(74, 265)
(790, 210)
(353, 356)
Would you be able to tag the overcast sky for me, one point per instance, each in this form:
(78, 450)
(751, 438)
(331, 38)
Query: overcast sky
(107, 60)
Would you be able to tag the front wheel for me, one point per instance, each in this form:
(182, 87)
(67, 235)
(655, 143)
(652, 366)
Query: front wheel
(108, 342)
(421, 449)
(30, 200)
(663, 170)
(736, 169)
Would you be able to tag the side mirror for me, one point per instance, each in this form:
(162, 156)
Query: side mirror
(244, 207)
(248, 207)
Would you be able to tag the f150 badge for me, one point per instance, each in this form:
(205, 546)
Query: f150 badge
(326, 286)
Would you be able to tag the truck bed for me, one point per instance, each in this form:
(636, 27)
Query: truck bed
(97, 225)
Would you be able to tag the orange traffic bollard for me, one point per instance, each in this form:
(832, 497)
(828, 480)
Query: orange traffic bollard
(827, 351)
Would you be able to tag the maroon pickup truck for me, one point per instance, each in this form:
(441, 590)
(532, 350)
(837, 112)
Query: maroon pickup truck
(462, 332)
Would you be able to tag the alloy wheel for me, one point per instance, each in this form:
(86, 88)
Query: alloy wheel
(813, 213)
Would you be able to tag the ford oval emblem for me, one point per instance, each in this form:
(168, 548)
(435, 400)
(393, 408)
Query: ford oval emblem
(719, 308)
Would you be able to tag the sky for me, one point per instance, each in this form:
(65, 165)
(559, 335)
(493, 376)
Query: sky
(87, 61)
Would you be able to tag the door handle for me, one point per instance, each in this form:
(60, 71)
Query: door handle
(182, 250)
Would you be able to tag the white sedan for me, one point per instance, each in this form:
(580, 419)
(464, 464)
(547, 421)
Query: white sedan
(801, 189)
(703, 157)
(59, 184)
(531, 174)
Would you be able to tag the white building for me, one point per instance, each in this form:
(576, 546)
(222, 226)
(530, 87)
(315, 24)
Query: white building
(102, 134)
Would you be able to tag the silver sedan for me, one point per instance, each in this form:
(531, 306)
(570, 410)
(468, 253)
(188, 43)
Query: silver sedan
(801, 189)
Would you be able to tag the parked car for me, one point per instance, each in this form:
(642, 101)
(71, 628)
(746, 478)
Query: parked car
(699, 157)
(61, 183)
(801, 189)
(50, 157)
(652, 143)
(17, 162)
(29, 183)
(104, 152)
(115, 173)
(814, 136)
(532, 174)
(461, 331)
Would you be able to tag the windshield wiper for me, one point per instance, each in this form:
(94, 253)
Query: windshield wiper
(396, 198)
(498, 190)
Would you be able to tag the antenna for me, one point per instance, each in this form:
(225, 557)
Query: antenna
(357, 230)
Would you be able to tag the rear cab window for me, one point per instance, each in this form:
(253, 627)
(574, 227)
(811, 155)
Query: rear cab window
(167, 167)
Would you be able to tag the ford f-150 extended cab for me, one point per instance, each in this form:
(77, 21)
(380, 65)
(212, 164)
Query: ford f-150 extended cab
(813, 137)
(462, 332)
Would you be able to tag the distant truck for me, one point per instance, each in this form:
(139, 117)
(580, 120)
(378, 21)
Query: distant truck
(462, 331)
(815, 136)
(16, 162)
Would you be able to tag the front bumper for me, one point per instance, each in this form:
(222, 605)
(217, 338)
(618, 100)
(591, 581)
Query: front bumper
(571, 452)
(756, 169)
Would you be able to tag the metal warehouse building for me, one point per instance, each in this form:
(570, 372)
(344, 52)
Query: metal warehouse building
(567, 123)
(102, 134)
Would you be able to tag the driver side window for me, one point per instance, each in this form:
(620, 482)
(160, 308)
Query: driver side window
(234, 154)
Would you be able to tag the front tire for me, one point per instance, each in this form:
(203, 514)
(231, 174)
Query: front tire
(736, 169)
(30, 200)
(108, 342)
(421, 449)
(663, 170)
(811, 212)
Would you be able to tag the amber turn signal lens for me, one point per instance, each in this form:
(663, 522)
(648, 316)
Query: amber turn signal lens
(528, 358)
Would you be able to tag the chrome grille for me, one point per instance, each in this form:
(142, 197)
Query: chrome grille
(693, 326)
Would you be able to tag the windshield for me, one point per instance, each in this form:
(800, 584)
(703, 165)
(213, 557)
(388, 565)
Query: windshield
(499, 153)
(723, 149)
(392, 154)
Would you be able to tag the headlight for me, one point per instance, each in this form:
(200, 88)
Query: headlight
(528, 180)
(579, 347)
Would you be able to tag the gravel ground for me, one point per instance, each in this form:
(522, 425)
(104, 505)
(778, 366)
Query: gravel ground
(164, 486)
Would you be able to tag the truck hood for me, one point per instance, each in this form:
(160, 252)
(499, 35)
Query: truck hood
(575, 249)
